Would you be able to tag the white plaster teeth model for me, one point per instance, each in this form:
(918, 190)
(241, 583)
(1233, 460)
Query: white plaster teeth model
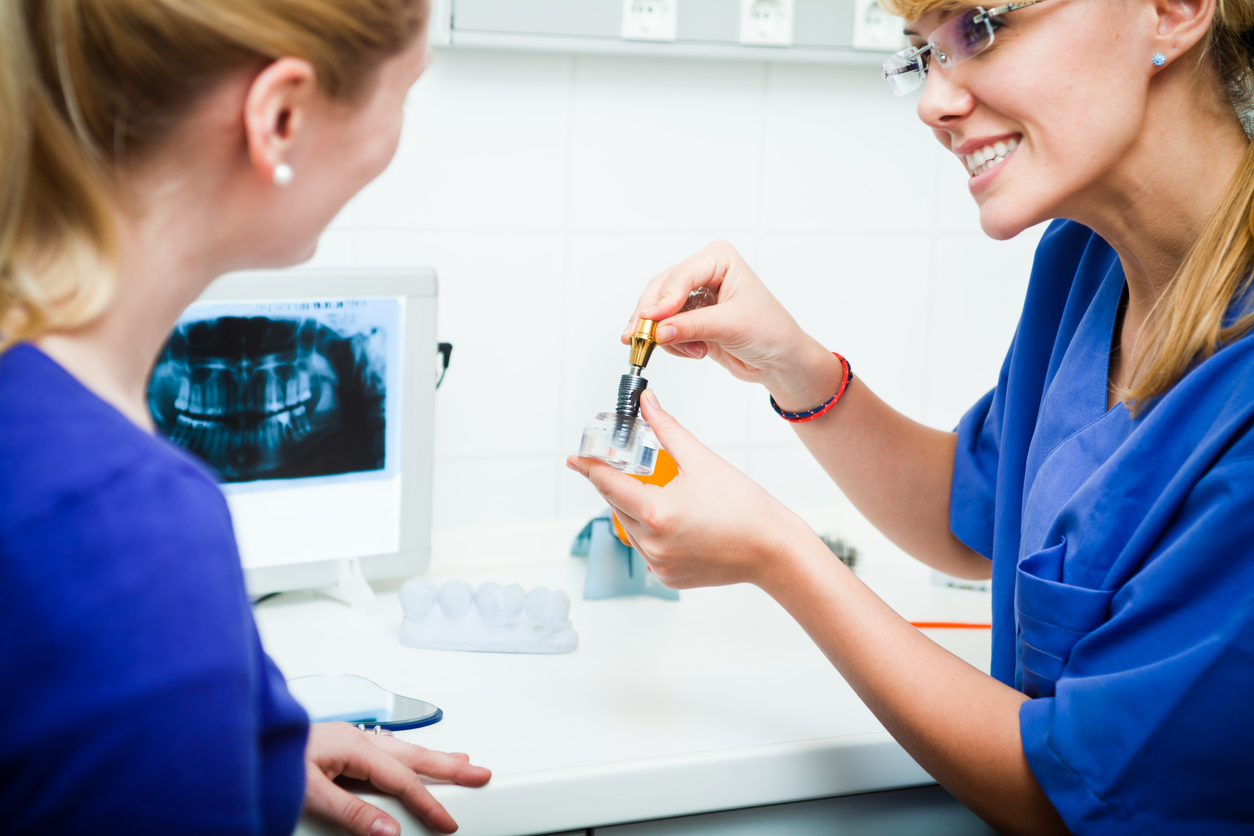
(491, 619)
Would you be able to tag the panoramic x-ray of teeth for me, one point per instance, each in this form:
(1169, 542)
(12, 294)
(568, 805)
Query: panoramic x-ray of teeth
(286, 395)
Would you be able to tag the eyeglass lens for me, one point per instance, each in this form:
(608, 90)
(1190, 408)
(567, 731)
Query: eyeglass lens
(950, 44)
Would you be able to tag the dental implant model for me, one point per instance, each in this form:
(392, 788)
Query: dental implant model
(490, 619)
(621, 438)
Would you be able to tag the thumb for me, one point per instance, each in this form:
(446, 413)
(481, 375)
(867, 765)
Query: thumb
(681, 444)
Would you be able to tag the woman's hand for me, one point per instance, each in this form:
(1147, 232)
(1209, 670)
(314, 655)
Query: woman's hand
(391, 765)
(748, 332)
(710, 526)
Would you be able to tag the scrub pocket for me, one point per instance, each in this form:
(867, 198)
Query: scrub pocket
(1053, 616)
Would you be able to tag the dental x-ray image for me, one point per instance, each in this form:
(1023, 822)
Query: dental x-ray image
(280, 390)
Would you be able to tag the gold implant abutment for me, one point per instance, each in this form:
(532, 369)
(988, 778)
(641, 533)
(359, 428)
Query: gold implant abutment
(642, 344)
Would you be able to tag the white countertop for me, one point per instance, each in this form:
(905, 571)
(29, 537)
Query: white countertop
(717, 701)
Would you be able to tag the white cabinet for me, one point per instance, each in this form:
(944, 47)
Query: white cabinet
(908, 812)
(822, 30)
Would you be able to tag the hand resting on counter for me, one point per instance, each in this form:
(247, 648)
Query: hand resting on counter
(340, 750)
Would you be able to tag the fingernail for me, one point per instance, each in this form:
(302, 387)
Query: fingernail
(572, 466)
(667, 333)
(385, 827)
(693, 350)
(652, 398)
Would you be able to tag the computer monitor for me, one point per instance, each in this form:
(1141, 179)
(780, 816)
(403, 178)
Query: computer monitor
(311, 393)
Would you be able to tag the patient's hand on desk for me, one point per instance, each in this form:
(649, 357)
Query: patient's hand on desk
(393, 766)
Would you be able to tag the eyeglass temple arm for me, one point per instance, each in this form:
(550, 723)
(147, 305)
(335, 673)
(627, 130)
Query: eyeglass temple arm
(998, 11)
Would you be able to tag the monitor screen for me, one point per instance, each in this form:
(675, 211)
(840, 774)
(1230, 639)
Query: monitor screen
(296, 405)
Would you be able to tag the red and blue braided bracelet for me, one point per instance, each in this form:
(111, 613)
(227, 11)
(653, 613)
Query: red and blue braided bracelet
(811, 414)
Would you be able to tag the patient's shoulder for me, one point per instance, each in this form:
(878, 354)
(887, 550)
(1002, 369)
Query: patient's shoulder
(59, 442)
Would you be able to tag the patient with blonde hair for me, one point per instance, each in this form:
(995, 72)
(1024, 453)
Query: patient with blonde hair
(148, 147)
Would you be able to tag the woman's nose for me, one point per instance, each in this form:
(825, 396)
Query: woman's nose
(945, 100)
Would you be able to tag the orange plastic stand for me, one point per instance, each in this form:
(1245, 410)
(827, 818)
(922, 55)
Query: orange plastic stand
(665, 470)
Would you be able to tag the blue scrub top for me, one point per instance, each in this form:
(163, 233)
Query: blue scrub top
(1123, 561)
(136, 697)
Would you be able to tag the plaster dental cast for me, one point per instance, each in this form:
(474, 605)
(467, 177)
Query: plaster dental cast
(1106, 482)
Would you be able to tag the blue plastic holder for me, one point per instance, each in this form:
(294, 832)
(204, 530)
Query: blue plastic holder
(614, 569)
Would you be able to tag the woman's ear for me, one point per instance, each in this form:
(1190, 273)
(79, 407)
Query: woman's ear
(274, 111)
(1181, 25)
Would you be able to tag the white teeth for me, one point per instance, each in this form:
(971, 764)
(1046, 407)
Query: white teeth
(455, 597)
(985, 158)
(488, 602)
(417, 598)
(274, 395)
(545, 607)
(559, 607)
(493, 618)
(497, 604)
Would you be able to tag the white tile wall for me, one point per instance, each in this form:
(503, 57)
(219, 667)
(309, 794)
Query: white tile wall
(663, 145)
(485, 146)
(841, 156)
(546, 190)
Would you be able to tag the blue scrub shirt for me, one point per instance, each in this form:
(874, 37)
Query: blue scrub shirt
(136, 695)
(1123, 561)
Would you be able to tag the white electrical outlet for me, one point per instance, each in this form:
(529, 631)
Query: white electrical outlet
(876, 29)
(766, 22)
(650, 20)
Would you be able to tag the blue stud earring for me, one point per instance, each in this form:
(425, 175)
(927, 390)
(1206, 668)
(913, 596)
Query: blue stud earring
(1159, 59)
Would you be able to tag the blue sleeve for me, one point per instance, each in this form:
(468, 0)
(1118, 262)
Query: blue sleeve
(137, 698)
(973, 491)
(1150, 729)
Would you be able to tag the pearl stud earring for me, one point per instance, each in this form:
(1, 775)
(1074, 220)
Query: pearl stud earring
(283, 174)
(1159, 59)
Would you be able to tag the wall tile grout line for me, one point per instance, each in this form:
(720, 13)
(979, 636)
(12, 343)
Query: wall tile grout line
(572, 81)
(764, 113)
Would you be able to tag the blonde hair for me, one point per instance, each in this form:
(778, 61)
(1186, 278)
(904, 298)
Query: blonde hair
(88, 85)
(1194, 316)
(915, 9)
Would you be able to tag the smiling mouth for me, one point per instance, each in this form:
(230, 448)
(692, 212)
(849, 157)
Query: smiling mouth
(990, 156)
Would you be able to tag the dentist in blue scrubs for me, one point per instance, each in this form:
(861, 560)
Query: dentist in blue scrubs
(1106, 483)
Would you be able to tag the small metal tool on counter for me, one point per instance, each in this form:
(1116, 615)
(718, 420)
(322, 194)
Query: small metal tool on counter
(622, 438)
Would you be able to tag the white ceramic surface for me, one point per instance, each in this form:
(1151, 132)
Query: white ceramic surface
(715, 702)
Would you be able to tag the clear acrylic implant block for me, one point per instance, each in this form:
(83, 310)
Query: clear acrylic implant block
(626, 445)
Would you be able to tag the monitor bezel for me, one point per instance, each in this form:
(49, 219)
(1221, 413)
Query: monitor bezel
(419, 287)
